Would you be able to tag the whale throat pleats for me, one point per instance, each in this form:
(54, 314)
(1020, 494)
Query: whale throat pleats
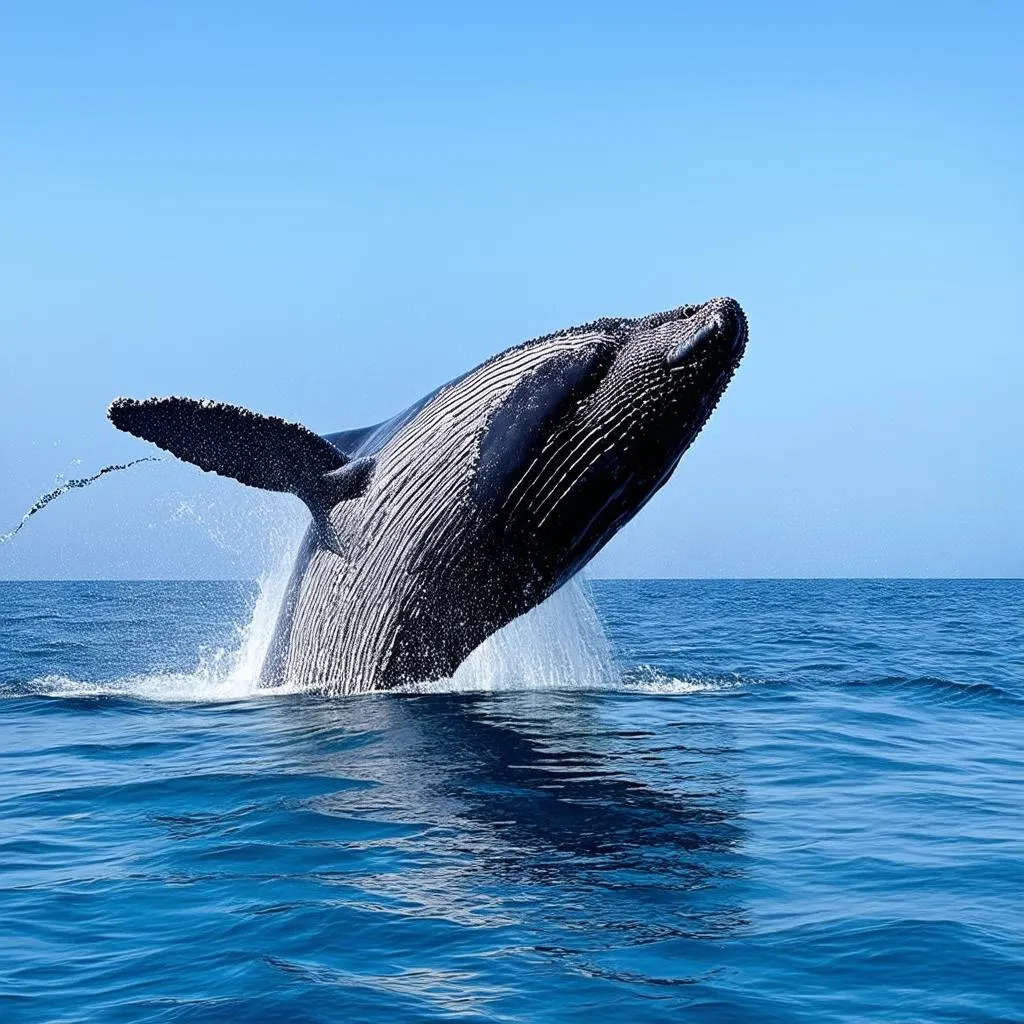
(261, 451)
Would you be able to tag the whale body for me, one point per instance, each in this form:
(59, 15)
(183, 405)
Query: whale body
(432, 530)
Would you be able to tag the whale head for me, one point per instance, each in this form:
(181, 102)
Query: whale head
(597, 429)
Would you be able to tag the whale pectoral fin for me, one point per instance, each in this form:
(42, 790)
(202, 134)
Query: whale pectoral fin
(261, 451)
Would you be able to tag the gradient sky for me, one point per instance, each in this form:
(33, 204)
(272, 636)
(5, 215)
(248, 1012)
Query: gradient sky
(324, 210)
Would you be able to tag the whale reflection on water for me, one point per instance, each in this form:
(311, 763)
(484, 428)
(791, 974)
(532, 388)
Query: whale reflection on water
(528, 812)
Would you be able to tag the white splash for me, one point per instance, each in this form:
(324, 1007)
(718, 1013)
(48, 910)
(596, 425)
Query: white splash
(647, 679)
(228, 673)
(560, 644)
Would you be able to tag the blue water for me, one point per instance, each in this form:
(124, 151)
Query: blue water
(796, 801)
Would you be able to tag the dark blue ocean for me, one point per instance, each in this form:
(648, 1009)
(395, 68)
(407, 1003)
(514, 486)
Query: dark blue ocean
(777, 801)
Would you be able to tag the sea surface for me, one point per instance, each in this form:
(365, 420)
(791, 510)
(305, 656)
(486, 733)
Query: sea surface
(713, 801)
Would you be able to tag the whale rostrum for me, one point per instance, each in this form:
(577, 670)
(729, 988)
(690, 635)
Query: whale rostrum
(435, 528)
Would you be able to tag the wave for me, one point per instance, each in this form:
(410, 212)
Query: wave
(936, 689)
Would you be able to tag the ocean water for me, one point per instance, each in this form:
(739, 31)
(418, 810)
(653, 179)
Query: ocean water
(738, 801)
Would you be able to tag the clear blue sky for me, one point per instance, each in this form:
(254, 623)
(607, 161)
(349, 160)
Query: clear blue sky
(323, 210)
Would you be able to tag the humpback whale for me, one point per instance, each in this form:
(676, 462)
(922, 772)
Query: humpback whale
(433, 529)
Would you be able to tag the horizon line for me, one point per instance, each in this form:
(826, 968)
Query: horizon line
(589, 579)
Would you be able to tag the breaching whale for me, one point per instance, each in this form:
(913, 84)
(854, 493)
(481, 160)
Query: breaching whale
(435, 528)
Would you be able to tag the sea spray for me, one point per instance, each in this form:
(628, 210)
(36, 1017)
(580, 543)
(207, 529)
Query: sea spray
(560, 644)
(70, 485)
(232, 672)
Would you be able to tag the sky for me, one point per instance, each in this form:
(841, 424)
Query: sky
(325, 210)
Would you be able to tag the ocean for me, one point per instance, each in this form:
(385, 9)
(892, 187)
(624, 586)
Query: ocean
(792, 801)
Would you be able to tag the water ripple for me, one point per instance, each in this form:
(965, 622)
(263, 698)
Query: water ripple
(769, 802)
